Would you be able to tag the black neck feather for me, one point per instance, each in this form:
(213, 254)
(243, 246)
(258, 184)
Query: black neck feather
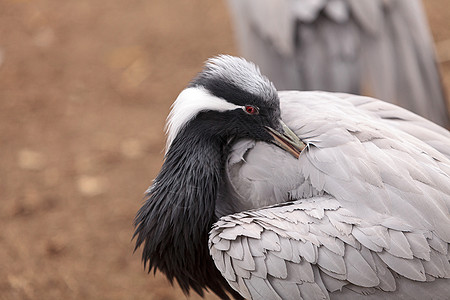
(174, 222)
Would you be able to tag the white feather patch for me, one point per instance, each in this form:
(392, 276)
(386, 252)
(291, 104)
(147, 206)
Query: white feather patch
(188, 104)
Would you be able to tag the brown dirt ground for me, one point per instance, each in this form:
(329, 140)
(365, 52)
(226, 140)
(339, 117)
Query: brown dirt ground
(85, 87)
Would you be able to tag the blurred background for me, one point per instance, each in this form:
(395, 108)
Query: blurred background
(85, 87)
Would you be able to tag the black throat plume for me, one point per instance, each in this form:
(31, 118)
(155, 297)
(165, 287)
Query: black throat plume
(174, 222)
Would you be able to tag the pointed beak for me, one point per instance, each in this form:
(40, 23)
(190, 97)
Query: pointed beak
(287, 140)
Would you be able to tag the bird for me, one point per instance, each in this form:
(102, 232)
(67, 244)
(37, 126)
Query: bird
(381, 48)
(267, 194)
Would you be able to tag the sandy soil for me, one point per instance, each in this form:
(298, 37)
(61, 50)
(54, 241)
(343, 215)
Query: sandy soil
(85, 87)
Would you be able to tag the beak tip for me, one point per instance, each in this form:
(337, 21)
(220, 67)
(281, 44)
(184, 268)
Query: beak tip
(287, 140)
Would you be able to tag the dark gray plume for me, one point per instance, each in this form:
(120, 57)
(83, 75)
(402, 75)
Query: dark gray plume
(173, 224)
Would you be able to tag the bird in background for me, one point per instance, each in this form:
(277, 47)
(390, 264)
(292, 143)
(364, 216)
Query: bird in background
(381, 48)
(297, 195)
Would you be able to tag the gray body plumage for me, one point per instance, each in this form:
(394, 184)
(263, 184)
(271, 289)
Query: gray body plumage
(370, 211)
(378, 47)
(358, 207)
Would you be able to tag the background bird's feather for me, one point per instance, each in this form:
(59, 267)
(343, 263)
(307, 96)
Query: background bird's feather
(377, 47)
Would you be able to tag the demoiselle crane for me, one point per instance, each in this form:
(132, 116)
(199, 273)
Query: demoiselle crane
(381, 48)
(297, 195)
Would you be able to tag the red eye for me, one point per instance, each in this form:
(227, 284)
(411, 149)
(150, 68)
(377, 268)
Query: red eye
(251, 110)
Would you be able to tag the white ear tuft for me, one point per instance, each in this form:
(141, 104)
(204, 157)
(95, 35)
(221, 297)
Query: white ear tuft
(188, 104)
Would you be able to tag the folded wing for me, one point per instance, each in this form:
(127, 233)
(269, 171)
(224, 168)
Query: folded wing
(314, 248)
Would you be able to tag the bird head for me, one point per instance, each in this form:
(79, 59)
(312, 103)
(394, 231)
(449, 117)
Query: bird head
(230, 99)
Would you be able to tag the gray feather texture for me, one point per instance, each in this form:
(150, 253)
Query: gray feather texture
(297, 195)
(378, 47)
(363, 213)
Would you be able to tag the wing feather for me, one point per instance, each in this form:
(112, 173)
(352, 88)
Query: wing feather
(282, 265)
(419, 245)
(410, 268)
(399, 245)
(331, 261)
(260, 288)
(359, 272)
(285, 287)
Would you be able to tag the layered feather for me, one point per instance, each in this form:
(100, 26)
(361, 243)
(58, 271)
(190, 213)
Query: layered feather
(363, 211)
